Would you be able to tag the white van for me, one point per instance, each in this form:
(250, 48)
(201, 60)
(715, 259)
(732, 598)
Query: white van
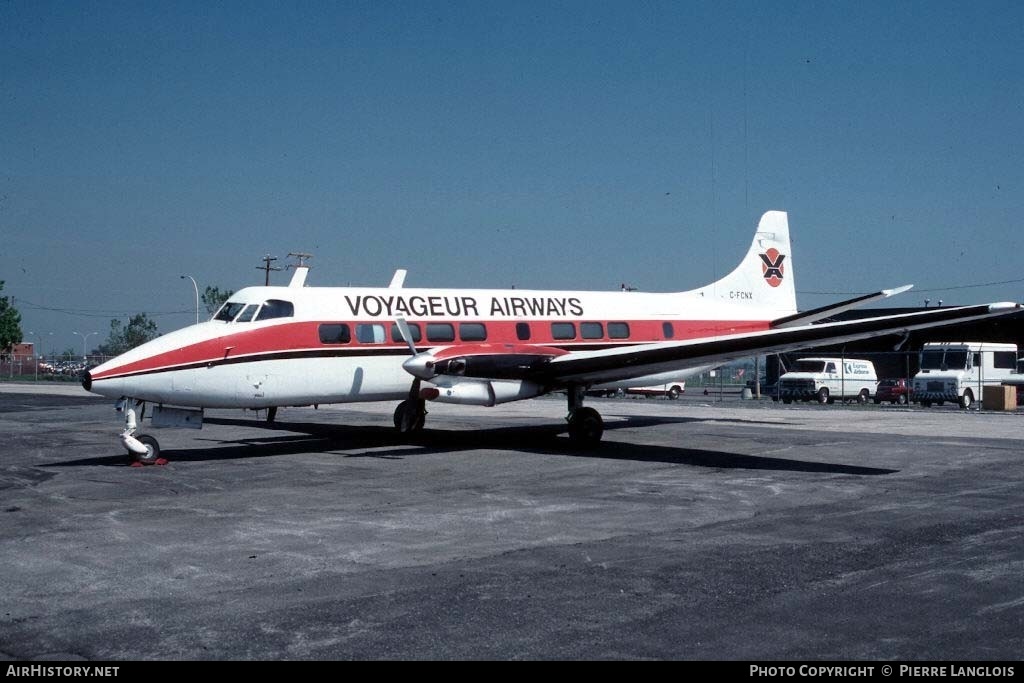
(959, 371)
(826, 379)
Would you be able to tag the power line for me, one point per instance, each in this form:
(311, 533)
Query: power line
(930, 289)
(90, 313)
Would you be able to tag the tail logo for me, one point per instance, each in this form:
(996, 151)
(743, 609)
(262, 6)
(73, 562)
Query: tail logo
(771, 266)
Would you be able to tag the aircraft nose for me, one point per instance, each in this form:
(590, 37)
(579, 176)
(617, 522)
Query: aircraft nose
(87, 380)
(421, 365)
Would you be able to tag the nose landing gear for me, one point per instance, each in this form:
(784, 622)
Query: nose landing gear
(142, 449)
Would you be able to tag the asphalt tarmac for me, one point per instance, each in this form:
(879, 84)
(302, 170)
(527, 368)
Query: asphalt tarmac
(698, 530)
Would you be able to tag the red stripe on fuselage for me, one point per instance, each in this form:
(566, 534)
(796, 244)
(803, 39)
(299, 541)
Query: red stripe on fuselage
(304, 336)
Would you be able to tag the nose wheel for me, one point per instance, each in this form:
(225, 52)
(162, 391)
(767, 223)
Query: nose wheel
(152, 454)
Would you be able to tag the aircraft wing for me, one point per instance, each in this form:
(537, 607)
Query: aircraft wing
(590, 367)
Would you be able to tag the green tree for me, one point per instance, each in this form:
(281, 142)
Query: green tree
(213, 298)
(10, 324)
(139, 330)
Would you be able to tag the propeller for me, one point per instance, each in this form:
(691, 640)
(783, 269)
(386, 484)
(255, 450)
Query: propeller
(419, 365)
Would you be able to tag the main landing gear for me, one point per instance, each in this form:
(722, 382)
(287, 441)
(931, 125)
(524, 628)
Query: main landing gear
(410, 415)
(142, 449)
(585, 424)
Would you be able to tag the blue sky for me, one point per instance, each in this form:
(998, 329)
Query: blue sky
(563, 145)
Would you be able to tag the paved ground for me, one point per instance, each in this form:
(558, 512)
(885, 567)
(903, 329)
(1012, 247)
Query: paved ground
(698, 530)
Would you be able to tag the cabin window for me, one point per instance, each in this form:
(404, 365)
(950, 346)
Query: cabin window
(335, 333)
(440, 332)
(592, 330)
(523, 331)
(276, 308)
(472, 332)
(414, 332)
(667, 330)
(1006, 360)
(618, 330)
(228, 311)
(247, 313)
(370, 333)
(563, 331)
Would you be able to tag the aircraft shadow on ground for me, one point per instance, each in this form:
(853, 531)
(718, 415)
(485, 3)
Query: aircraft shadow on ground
(539, 439)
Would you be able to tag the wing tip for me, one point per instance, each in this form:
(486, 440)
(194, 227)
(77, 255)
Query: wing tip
(1004, 306)
(896, 290)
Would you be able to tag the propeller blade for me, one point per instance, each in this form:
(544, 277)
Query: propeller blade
(403, 329)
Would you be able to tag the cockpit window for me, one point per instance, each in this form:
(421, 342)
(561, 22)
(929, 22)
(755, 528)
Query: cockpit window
(228, 311)
(276, 308)
(247, 314)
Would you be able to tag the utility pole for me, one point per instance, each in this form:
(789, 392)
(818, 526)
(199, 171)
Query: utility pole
(267, 267)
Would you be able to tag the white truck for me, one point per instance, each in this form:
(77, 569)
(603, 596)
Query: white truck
(959, 371)
(826, 379)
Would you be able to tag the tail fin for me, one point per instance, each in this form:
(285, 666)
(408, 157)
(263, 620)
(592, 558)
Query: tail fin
(764, 279)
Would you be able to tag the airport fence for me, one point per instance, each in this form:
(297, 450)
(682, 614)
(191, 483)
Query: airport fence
(47, 369)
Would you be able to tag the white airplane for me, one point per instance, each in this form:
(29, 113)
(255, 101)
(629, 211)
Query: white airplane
(297, 346)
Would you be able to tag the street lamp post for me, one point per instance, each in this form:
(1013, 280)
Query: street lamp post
(197, 294)
(84, 338)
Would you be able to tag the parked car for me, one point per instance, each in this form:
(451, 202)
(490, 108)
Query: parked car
(670, 389)
(894, 391)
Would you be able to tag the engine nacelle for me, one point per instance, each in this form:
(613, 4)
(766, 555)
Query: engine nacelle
(481, 392)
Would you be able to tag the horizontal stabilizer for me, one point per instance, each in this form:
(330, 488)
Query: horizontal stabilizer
(812, 316)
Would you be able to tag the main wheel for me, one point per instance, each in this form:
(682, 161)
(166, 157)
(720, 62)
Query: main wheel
(409, 417)
(152, 450)
(586, 428)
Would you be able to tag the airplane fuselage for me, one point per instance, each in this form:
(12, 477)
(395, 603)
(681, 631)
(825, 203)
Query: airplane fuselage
(333, 345)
